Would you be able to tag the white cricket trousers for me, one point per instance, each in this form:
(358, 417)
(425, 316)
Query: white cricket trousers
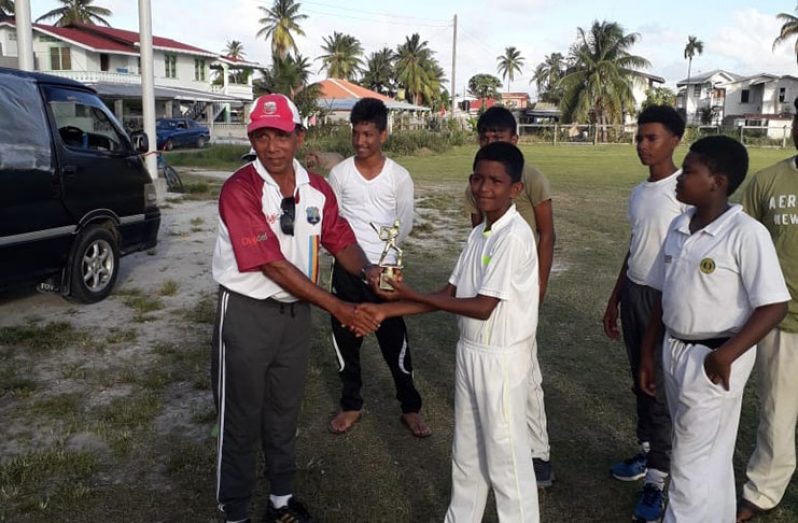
(491, 439)
(705, 420)
(536, 409)
(773, 462)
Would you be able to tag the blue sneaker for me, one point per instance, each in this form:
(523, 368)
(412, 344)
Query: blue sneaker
(650, 506)
(630, 469)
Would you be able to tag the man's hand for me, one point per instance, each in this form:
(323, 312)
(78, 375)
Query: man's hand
(359, 322)
(648, 376)
(717, 368)
(399, 291)
(374, 310)
(611, 320)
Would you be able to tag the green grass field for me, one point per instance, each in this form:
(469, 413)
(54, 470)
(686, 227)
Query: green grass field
(377, 472)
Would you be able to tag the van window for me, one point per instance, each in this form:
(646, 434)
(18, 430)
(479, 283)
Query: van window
(83, 121)
(24, 135)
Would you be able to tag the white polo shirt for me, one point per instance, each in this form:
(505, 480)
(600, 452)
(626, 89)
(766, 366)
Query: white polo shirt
(250, 235)
(380, 201)
(501, 263)
(652, 208)
(713, 279)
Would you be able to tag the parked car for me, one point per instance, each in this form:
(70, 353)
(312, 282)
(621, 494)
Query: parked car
(180, 132)
(74, 193)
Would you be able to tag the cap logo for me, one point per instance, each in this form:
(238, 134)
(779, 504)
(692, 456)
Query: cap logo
(269, 107)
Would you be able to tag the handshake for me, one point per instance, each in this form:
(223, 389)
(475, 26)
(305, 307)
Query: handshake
(365, 318)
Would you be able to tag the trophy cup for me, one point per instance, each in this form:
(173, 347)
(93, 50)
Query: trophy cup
(390, 235)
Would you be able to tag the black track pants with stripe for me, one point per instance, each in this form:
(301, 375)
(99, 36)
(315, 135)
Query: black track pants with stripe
(258, 363)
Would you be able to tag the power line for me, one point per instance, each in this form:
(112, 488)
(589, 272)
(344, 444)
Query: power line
(391, 15)
(372, 20)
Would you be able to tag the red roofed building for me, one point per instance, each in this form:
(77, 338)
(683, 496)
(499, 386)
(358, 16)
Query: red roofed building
(108, 59)
(338, 96)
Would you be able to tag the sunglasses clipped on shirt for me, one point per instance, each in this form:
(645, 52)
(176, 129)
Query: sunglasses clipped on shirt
(288, 208)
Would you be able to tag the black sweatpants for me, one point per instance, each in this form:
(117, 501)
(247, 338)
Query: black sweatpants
(653, 418)
(258, 363)
(392, 338)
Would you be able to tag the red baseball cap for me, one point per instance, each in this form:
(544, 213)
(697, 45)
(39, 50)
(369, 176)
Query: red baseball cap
(276, 111)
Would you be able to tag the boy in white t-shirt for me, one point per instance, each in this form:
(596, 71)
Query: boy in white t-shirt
(494, 291)
(722, 290)
(372, 189)
(652, 207)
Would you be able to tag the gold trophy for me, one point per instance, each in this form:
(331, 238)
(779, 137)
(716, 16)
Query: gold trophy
(390, 235)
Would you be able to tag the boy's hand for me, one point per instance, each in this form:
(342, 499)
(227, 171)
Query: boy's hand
(717, 368)
(399, 291)
(374, 310)
(610, 320)
(359, 322)
(648, 376)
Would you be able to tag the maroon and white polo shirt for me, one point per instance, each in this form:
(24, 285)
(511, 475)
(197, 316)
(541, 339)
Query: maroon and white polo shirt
(250, 236)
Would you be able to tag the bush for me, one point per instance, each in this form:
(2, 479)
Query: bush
(220, 156)
(401, 143)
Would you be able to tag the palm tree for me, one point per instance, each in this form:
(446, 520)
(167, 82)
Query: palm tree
(279, 24)
(77, 12)
(547, 77)
(380, 74)
(599, 83)
(343, 56)
(417, 71)
(510, 63)
(290, 75)
(694, 47)
(484, 85)
(6, 9)
(788, 30)
(234, 49)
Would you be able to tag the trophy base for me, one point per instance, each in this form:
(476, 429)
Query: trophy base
(388, 271)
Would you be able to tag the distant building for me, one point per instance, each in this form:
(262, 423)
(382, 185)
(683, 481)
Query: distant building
(108, 59)
(704, 92)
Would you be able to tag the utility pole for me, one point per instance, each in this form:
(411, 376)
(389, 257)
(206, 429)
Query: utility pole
(148, 87)
(453, 90)
(24, 36)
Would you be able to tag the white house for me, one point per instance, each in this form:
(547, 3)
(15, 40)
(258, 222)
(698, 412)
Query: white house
(705, 92)
(108, 59)
(762, 94)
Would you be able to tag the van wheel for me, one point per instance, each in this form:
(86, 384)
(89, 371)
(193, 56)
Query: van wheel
(95, 265)
(200, 142)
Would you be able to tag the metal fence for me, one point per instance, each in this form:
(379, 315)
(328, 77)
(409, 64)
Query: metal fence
(592, 134)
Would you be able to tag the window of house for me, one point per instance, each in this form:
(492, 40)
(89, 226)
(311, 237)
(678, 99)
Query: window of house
(104, 62)
(60, 59)
(170, 62)
(744, 95)
(782, 93)
(199, 69)
(12, 36)
(697, 91)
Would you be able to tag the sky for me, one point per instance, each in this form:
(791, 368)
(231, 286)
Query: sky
(737, 35)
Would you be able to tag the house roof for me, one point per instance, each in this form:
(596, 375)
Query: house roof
(341, 95)
(231, 60)
(82, 39)
(702, 78)
(112, 40)
(515, 95)
(652, 77)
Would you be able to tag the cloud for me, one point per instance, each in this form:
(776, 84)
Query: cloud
(747, 45)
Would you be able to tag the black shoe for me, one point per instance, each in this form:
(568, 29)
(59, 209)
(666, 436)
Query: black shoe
(544, 475)
(294, 512)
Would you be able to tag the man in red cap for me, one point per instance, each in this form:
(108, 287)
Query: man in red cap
(273, 217)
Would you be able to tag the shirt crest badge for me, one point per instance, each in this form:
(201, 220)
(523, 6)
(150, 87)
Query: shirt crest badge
(313, 215)
(707, 265)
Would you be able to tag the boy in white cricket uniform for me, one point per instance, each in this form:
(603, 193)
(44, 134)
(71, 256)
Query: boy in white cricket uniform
(494, 290)
(722, 291)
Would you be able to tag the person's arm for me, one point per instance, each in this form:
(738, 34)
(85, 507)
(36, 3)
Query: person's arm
(718, 363)
(292, 280)
(610, 319)
(390, 309)
(648, 349)
(544, 219)
(478, 307)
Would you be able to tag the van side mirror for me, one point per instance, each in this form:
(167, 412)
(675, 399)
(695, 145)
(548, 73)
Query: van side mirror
(141, 143)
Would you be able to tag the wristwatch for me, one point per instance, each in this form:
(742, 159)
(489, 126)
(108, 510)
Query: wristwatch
(364, 270)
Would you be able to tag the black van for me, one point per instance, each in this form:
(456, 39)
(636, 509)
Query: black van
(74, 193)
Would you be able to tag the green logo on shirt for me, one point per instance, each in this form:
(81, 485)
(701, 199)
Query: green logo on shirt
(707, 265)
(486, 259)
